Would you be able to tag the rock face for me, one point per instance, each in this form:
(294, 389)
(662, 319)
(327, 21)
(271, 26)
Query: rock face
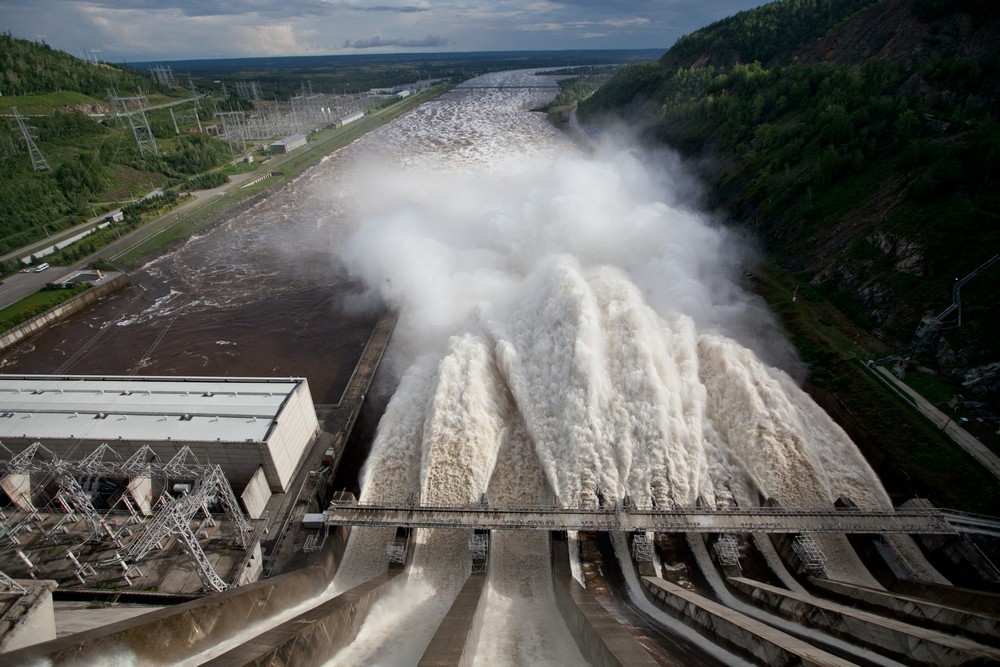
(908, 255)
(984, 380)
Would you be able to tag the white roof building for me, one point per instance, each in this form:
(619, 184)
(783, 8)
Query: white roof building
(241, 424)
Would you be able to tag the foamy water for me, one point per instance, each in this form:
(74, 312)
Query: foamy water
(570, 328)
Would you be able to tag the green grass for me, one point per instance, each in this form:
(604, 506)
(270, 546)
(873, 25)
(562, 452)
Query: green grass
(931, 387)
(46, 104)
(34, 305)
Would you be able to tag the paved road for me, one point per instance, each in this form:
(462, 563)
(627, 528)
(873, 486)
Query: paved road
(963, 438)
(16, 287)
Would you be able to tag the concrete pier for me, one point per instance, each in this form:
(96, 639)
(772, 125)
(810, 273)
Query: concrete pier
(952, 596)
(884, 635)
(26, 615)
(736, 631)
(601, 638)
(313, 637)
(457, 632)
(979, 626)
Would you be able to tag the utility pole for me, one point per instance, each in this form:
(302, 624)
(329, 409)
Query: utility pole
(38, 162)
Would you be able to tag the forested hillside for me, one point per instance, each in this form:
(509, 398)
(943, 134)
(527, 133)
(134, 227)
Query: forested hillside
(874, 181)
(33, 68)
(94, 162)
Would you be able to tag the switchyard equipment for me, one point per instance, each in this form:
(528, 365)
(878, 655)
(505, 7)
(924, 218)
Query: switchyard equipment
(135, 538)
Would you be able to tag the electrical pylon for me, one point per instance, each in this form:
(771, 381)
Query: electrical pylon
(38, 161)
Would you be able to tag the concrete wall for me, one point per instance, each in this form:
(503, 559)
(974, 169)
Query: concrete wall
(313, 637)
(29, 619)
(953, 596)
(980, 626)
(735, 631)
(601, 638)
(293, 431)
(253, 567)
(18, 489)
(454, 643)
(141, 491)
(61, 312)
(187, 630)
(910, 643)
(256, 495)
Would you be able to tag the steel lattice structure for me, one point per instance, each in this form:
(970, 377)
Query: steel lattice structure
(38, 161)
(172, 518)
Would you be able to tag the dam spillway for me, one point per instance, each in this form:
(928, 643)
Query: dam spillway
(570, 332)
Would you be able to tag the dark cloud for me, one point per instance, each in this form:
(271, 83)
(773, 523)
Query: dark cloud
(430, 41)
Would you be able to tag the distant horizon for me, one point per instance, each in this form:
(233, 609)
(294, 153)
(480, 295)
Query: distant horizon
(412, 55)
(149, 31)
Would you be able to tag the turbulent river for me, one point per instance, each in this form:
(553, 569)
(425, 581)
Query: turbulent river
(572, 330)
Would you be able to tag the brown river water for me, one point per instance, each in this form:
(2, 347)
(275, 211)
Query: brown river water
(260, 294)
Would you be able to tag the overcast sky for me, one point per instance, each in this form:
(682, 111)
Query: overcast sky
(143, 30)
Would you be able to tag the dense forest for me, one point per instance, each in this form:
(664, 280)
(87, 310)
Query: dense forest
(35, 68)
(94, 162)
(875, 182)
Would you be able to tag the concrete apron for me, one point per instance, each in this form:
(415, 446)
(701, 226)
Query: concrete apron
(313, 636)
(180, 632)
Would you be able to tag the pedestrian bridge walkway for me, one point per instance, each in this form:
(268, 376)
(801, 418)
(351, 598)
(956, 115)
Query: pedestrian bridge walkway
(757, 520)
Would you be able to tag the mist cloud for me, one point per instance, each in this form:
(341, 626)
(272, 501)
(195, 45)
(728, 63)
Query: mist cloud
(445, 248)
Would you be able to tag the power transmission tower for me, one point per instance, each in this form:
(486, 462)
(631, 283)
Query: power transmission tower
(137, 120)
(116, 110)
(38, 162)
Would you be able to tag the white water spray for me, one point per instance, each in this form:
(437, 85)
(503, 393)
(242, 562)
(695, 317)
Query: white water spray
(569, 328)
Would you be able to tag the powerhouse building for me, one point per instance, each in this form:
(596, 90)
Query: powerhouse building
(256, 429)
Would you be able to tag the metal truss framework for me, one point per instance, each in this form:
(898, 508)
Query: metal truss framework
(38, 161)
(134, 109)
(693, 520)
(727, 550)
(810, 555)
(642, 548)
(479, 548)
(173, 517)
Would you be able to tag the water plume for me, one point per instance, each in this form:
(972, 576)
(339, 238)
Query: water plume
(571, 330)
